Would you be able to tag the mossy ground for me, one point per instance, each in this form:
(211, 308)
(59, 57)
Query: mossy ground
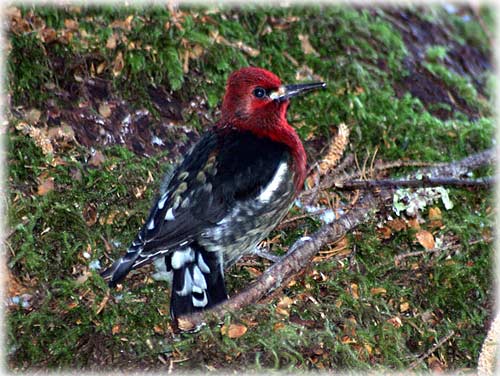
(399, 90)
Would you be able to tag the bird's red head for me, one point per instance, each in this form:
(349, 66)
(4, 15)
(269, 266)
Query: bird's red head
(256, 101)
(247, 100)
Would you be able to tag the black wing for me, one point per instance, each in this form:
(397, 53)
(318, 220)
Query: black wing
(224, 168)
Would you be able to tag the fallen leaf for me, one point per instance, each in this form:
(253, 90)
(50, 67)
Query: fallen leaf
(64, 132)
(347, 340)
(234, 330)
(413, 223)
(285, 302)
(90, 214)
(103, 304)
(368, 348)
(126, 24)
(395, 321)
(110, 219)
(435, 214)
(14, 286)
(426, 239)
(97, 159)
(66, 37)
(48, 35)
(105, 110)
(306, 46)
(282, 311)
(397, 224)
(185, 65)
(278, 326)
(139, 191)
(435, 218)
(385, 232)
(71, 24)
(101, 67)
(116, 329)
(158, 329)
(185, 325)
(111, 42)
(253, 271)
(377, 290)
(354, 291)
(46, 185)
(283, 306)
(435, 365)
(118, 64)
(196, 52)
(403, 307)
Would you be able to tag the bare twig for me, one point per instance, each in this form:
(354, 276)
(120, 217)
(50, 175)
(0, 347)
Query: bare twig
(431, 350)
(346, 162)
(415, 183)
(298, 217)
(398, 258)
(293, 262)
(336, 178)
(302, 251)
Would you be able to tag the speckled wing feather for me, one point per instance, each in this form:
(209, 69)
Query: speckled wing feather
(224, 170)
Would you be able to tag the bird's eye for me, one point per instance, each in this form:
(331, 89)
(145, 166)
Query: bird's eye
(259, 92)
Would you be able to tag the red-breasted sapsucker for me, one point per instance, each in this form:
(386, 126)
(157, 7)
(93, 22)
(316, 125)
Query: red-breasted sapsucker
(229, 192)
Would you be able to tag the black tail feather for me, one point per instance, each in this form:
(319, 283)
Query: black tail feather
(198, 284)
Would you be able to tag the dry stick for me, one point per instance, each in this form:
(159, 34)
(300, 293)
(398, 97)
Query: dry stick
(296, 258)
(415, 183)
(398, 258)
(431, 350)
(305, 248)
(334, 179)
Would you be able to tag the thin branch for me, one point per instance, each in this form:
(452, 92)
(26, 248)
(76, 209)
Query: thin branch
(431, 350)
(335, 178)
(415, 183)
(292, 263)
(399, 258)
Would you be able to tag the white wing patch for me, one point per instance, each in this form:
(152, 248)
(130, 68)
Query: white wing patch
(181, 258)
(267, 193)
(198, 278)
(202, 264)
(170, 215)
(151, 224)
(162, 201)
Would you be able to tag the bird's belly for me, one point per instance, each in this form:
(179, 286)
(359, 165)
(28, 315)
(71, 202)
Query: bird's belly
(245, 226)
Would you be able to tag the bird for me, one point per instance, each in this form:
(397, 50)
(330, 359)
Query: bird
(231, 189)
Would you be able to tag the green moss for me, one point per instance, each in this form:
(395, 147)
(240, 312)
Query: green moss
(361, 57)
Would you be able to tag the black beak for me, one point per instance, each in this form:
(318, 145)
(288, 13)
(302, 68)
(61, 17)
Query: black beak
(288, 91)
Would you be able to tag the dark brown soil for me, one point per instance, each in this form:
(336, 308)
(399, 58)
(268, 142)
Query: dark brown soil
(464, 60)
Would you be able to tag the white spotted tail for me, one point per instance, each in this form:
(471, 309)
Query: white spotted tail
(198, 281)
